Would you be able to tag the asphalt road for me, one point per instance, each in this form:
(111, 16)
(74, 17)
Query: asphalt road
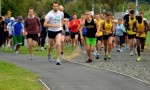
(70, 76)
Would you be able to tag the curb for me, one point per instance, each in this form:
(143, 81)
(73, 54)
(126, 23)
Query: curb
(44, 84)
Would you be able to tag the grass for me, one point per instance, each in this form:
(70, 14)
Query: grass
(148, 40)
(15, 78)
(23, 50)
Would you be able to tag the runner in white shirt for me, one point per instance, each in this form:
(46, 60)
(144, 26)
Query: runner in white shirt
(9, 28)
(53, 21)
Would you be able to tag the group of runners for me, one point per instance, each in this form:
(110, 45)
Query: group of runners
(90, 32)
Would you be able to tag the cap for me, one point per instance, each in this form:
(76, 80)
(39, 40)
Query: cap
(20, 17)
(12, 18)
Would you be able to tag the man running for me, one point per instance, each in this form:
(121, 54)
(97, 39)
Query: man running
(2, 31)
(131, 34)
(17, 31)
(141, 26)
(32, 30)
(92, 27)
(107, 28)
(100, 34)
(53, 21)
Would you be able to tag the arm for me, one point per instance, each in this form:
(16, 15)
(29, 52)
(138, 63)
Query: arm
(134, 27)
(81, 28)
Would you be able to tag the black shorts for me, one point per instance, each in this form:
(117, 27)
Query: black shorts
(33, 37)
(125, 34)
(131, 36)
(52, 34)
(106, 37)
(67, 34)
(141, 39)
(6, 34)
(10, 36)
(73, 34)
(100, 38)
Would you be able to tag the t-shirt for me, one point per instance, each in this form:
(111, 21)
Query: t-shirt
(17, 28)
(32, 25)
(55, 18)
(73, 25)
(9, 28)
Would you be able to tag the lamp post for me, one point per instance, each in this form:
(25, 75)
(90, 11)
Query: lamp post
(137, 7)
(0, 7)
(93, 5)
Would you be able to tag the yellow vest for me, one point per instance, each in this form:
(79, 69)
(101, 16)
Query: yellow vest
(130, 32)
(100, 33)
(108, 28)
(140, 28)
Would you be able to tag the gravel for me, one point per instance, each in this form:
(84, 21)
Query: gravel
(121, 63)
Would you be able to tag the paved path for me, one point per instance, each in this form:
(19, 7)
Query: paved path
(70, 76)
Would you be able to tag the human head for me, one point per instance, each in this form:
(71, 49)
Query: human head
(97, 16)
(61, 8)
(74, 15)
(31, 11)
(108, 16)
(55, 6)
(20, 18)
(43, 15)
(119, 21)
(88, 14)
(141, 14)
(131, 13)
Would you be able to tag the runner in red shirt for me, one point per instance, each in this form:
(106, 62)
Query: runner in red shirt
(73, 26)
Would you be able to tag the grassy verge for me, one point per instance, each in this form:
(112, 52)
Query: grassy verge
(15, 78)
(23, 50)
(148, 40)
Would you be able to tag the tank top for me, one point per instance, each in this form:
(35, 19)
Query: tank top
(140, 27)
(108, 27)
(130, 32)
(91, 29)
(100, 33)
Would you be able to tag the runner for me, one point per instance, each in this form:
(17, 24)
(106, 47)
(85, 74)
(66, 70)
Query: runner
(53, 21)
(73, 26)
(2, 30)
(100, 34)
(17, 31)
(61, 8)
(43, 32)
(107, 28)
(92, 31)
(32, 31)
(9, 29)
(119, 30)
(143, 43)
(131, 34)
(84, 31)
(141, 26)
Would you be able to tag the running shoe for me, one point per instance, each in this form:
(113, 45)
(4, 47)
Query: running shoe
(31, 58)
(105, 57)
(139, 58)
(58, 62)
(89, 61)
(49, 58)
(131, 53)
(109, 57)
(97, 56)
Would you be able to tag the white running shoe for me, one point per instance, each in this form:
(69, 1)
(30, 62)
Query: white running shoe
(131, 53)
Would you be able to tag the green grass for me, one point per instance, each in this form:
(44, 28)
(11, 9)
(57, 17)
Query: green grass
(23, 50)
(15, 78)
(148, 40)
